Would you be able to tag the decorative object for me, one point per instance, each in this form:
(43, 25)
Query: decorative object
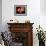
(41, 36)
(20, 10)
(13, 21)
(27, 21)
(45, 34)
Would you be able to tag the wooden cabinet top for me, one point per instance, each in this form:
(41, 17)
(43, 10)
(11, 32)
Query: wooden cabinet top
(17, 27)
(20, 23)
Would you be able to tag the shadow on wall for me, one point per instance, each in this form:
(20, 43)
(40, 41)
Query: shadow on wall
(43, 6)
(0, 15)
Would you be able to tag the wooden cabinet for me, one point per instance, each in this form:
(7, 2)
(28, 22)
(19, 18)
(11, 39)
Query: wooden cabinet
(22, 33)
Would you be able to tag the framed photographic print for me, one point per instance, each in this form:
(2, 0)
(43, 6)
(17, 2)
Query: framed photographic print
(20, 10)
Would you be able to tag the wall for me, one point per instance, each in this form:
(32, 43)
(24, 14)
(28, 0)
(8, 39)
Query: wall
(43, 14)
(33, 11)
(34, 14)
(0, 15)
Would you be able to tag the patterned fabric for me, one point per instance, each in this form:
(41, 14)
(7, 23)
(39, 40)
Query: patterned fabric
(7, 38)
(16, 44)
(1, 40)
(0, 45)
